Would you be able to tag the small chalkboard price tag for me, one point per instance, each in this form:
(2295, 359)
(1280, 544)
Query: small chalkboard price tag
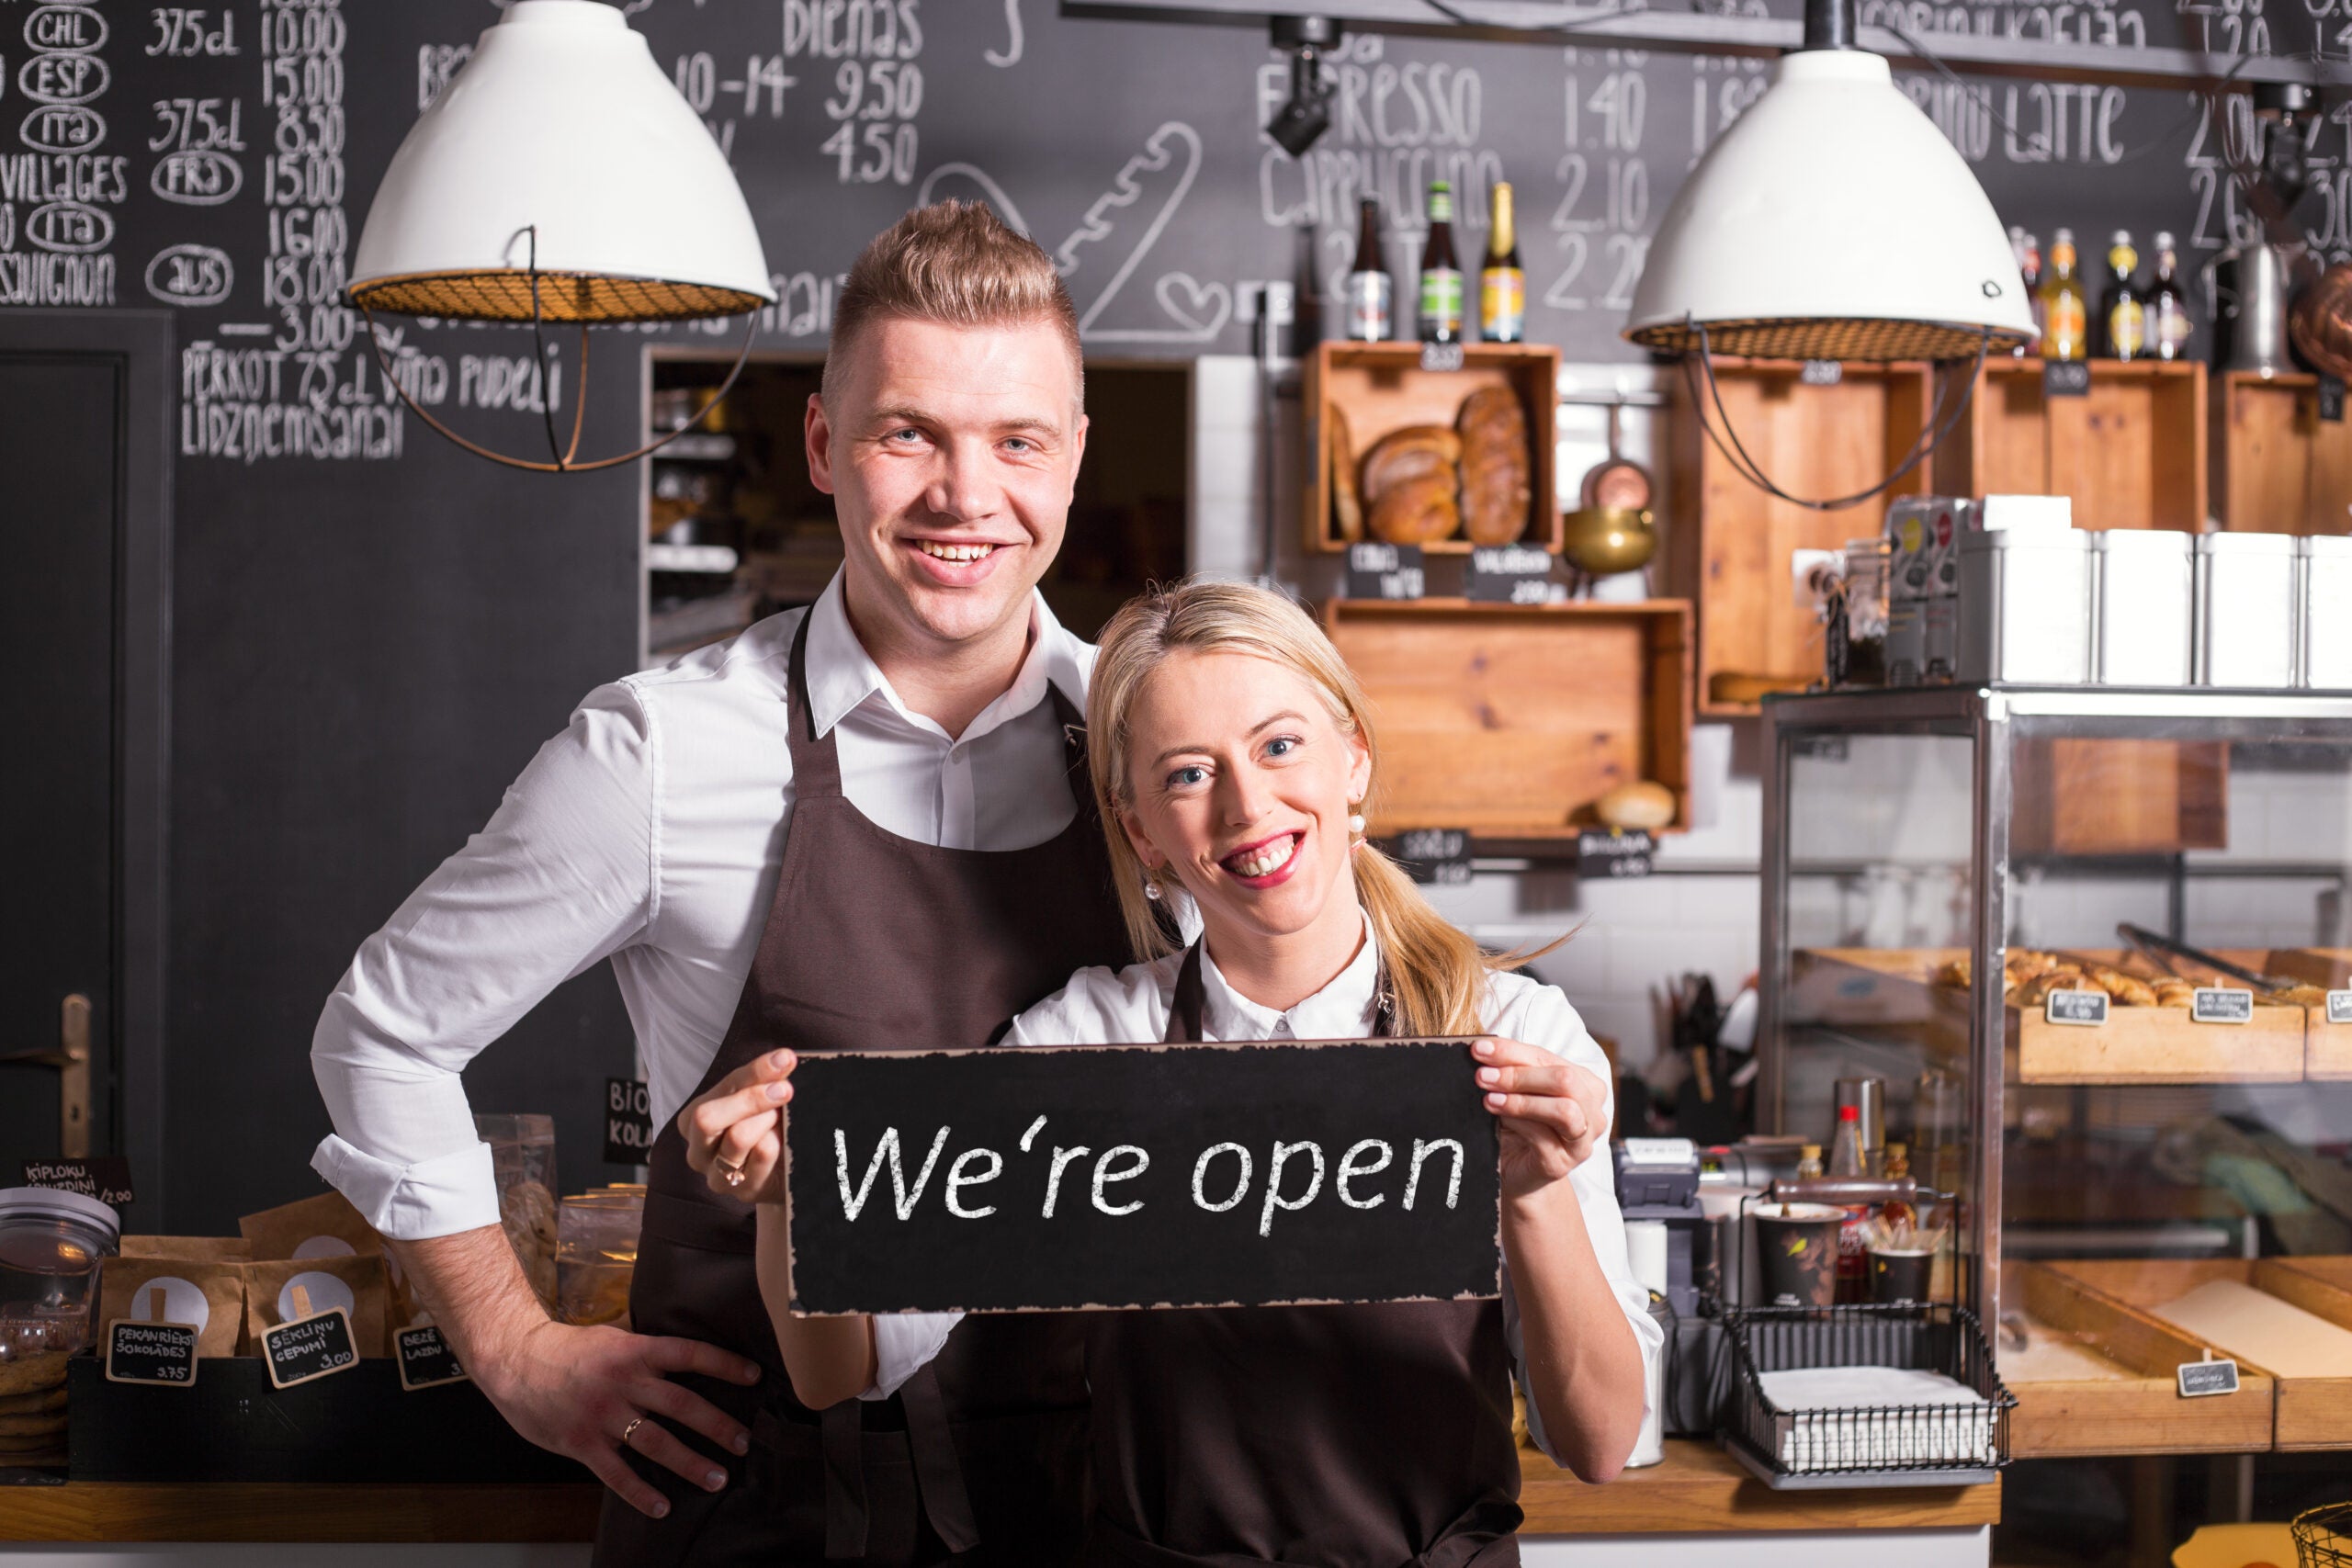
(2221, 1004)
(2076, 1006)
(1510, 574)
(426, 1360)
(2200, 1379)
(1440, 357)
(1385, 572)
(309, 1348)
(159, 1353)
(1822, 373)
(2065, 377)
(2339, 1007)
(1613, 853)
(628, 1123)
(2330, 399)
(1433, 855)
(106, 1178)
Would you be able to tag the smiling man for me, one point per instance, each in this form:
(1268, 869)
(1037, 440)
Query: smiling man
(864, 826)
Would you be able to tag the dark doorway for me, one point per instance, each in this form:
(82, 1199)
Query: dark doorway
(85, 456)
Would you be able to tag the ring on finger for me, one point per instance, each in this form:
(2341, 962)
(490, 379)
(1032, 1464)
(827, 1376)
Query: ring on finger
(734, 1169)
(630, 1430)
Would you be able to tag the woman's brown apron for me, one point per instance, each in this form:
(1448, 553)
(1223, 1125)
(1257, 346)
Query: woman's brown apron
(1345, 1437)
(877, 942)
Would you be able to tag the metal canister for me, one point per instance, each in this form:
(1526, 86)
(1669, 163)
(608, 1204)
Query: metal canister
(1867, 1097)
(2143, 620)
(2323, 594)
(2245, 610)
(2024, 606)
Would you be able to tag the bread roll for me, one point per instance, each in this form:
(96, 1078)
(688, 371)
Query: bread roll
(1495, 465)
(1402, 456)
(1642, 804)
(1347, 509)
(1419, 511)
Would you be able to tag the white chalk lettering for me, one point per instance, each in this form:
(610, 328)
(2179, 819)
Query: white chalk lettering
(1054, 1178)
(1104, 1174)
(1201, 1171)
(1422, 1151)
(956, 1180)
(1349, 1168)
(1274, 1198)
(904, 1201)
(1031, 1136)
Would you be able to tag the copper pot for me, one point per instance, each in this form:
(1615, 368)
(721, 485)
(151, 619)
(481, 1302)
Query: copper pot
(1605, 540)
(2321, 322)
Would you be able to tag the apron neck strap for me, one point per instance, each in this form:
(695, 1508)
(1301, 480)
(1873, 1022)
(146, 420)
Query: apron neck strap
(1184, 1012)
(816, 763)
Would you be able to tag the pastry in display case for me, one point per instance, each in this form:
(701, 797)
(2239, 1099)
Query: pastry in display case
(2109, 929)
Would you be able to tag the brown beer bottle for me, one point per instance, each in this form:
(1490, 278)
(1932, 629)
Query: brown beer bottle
(1440, 274)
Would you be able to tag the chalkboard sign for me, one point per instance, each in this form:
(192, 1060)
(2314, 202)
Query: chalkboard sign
(106, 1178)
(426, 1358)
(2339, 1007)
(1385, 572)
(1510, 574)
(2067, 379)
(1435, 856)
(628, 1123)
(2199, 1380)
(2221, 1004)
(1028, 1178)
(2076, 1006)
(310, 1349)
(159, 1353)
(1614, 852)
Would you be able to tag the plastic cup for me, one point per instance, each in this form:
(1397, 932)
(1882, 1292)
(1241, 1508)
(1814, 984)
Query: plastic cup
(1900, 1276)
(1796, 1251)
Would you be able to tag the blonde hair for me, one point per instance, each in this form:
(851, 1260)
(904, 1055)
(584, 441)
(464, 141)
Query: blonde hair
(954, 262)
(1435, 972)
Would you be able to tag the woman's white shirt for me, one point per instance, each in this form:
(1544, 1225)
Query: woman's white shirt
(1099, 1006)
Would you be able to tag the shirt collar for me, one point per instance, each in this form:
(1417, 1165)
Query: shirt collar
(842, 676)
(1344, 1010)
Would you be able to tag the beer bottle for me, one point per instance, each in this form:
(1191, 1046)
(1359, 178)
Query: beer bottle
(2167, 320)
(2065, 314)
(1369, 288)
(2122, 321)
(1502, 282)
(1440, 274)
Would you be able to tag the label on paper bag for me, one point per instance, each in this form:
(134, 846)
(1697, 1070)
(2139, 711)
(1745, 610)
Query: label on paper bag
(2076, 1006)
(2199, 1380)
(2221, 1004)
(310, 1349)
(426, 1358)
(159, 1353)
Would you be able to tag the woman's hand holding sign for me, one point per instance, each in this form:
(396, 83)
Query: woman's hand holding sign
(1553, 1115)
(734, 1133)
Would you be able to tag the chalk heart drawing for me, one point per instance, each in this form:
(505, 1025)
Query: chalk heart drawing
(1202, 310)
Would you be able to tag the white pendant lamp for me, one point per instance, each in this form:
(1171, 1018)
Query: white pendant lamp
(560, 177)
(1832, 221)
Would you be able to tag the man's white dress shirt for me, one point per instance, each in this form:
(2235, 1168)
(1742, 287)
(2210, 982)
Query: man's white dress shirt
(650, 832)
(1099, 1006)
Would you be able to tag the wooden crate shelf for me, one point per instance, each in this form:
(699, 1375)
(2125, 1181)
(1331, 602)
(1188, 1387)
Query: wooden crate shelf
(1511, 720)
(2310, 1411)
(2135, 1409)
(2327, 1047)
(2131, 455)
(1728, 545)
(2277, 466)
(1381, 387)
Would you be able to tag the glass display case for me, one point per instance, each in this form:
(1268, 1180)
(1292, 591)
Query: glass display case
(2095, 946)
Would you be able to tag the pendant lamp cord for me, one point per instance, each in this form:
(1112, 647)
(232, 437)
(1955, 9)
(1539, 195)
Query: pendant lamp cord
(1939, 424)
(564, 457)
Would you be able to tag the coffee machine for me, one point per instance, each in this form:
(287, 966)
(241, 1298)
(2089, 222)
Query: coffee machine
(2253, 283)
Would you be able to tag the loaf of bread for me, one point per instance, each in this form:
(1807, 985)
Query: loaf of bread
(1495, 465)
(1403, 456)
(1347, 509)
(1417, 512)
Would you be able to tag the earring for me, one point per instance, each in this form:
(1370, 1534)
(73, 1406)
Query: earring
(1356, 825)
(1151, 887)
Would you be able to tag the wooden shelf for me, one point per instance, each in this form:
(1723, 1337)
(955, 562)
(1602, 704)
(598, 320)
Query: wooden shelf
(2131, 454)
(1511, 720)
(2138, 1410)
(216, 1511)
(2277, 466)
(1381, 388)
(2311, 1412)
(2327, 1047)
(1728, 545)
(1698, 1489)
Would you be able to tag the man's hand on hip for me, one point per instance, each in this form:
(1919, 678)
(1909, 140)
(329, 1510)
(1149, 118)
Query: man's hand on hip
(582, 1392)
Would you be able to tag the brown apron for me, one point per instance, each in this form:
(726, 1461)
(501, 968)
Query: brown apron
(1345, 1437)
(877, 942)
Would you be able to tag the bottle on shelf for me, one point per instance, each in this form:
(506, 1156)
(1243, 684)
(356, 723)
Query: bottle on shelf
(1502, 282)
(2026, 248)
(1440, 289)
(2167, 317)
(2065, 313)
(1846, 1155)
(2123, 320)
(1894, 1212)
(1370, 289)
(1809, 1162)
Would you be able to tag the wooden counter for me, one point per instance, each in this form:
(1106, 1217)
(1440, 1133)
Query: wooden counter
(1698, 1489)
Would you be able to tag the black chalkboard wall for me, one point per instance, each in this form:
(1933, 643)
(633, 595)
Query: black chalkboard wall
(374, 630)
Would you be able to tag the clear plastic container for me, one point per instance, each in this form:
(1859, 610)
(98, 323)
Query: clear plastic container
(522, 1154)
(51, 1247)
(596, 1254)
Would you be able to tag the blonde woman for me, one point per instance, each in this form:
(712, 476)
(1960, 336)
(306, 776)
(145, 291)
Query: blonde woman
(1232, 754)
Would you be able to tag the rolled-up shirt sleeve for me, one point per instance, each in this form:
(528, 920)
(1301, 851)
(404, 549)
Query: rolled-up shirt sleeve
(562, 876)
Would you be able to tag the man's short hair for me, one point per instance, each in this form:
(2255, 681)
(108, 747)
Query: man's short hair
(955, 262)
